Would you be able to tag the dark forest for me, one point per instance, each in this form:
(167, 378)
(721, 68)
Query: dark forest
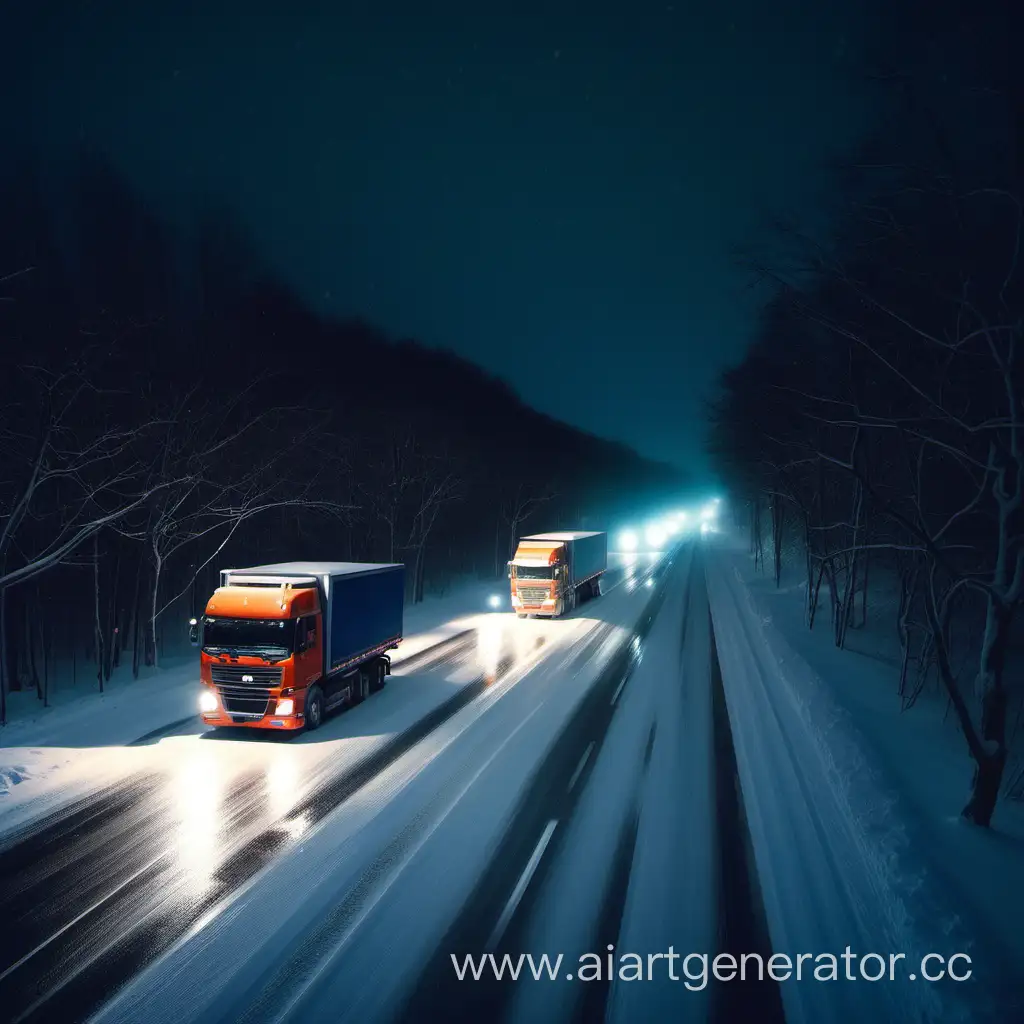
(874, 427)
(170, 409)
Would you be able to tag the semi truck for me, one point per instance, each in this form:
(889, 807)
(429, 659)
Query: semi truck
(283, 645)
(553, 572)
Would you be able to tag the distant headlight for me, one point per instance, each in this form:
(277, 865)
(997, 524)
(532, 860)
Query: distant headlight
(628, 541)
(494, 601)
(655, 537)
(207, 702)
(285, 707)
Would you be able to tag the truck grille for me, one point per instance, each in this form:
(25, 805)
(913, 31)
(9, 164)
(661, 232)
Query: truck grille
(533, 595)
(245, 700)
(246, 675)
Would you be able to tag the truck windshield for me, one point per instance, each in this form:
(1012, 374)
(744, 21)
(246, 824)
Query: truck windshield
(260, 636)
(532, 572)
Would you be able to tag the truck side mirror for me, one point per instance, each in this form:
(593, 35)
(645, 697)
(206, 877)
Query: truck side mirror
(193, 632)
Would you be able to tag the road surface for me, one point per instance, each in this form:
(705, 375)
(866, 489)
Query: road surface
(633, 780)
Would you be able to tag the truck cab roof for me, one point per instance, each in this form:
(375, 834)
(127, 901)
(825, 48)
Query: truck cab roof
(312, 569)
(262, 602)
(563, 537)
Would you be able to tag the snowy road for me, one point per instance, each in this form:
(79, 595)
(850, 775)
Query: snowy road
(93, 892)
(652, 774)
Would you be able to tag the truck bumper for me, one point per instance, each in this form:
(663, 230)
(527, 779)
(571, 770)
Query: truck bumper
(221, 716)
(278, 722)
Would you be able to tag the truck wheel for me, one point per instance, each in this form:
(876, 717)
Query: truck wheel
(361, 686)
(520, 615)
(314, 708)
(378, 676)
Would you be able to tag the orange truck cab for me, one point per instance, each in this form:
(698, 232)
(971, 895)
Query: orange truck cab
(553, 572)
(283, 645)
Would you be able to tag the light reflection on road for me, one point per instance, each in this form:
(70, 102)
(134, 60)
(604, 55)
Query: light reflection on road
(284, 782)
(198, 788)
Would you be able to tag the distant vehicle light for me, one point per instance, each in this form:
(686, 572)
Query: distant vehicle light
(655, 536)
(207, 702)
(705, 528)
(285, 707)
(494, 601)
(649, 582)
(708, 512)
(628, 541)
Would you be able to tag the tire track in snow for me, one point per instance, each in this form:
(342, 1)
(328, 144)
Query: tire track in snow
(531, 843)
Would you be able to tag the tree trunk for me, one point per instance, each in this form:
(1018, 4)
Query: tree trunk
(137, 641)
(33, 672)
(108, 628)
(97, 624)
(813, 596)
(132, 631)
(418, 574)
(3, 655)
(993, 698)
(988, 779)
(777, 521)
(907, 585)
(114, 653)
(44, 640)
(864, 591)
(152, 656)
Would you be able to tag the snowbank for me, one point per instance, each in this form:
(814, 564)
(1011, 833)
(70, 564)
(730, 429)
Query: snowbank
(839, 857)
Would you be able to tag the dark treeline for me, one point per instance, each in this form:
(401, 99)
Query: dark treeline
(169, 408)
(874, 428)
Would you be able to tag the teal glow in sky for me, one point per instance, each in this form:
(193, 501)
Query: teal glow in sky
(556, 191)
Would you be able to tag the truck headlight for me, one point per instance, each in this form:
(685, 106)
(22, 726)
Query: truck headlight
(207, 702)
(515, 600)
(285, 707)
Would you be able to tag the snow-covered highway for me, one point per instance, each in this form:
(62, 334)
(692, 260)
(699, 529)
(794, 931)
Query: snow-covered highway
(95, 890)
(651, 774)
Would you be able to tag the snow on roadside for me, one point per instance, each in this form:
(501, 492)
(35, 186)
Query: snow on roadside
(920, 757)
(830, 834)
(50, 755)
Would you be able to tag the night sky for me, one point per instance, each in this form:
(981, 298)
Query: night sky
(556, 191)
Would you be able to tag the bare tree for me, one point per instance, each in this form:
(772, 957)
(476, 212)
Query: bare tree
(517, 507)
(407, 488)
(219, 470)
(72, 478)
